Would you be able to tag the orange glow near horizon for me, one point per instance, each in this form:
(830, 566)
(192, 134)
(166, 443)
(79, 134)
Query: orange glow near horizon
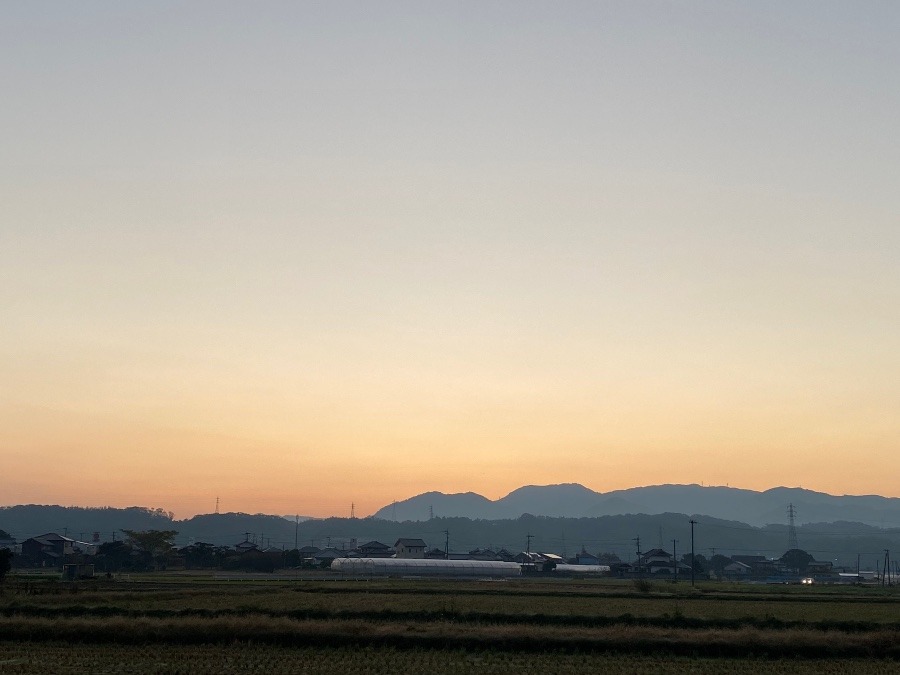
(98, 461)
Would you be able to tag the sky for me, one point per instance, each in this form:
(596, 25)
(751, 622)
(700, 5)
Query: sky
(303, 255)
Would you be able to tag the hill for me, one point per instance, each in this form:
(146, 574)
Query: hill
(572, 500)
(838, 541)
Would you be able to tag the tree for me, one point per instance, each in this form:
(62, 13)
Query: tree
(201, 554)
(796, 559)
(701, 564)
(156, 544)
(114, 555)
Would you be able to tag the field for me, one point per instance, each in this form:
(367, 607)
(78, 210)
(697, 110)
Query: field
(167, 624)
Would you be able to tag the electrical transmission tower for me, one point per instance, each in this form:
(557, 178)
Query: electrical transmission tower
(792, 529)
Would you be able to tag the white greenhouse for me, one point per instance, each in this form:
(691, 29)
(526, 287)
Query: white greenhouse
(582, 570)
(407, 567)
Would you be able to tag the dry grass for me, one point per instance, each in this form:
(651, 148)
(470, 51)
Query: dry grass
(490, 621)
(64, 659)
(794, 643)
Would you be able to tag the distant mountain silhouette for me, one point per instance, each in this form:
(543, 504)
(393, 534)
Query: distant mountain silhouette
(605, 533)
(571, 500)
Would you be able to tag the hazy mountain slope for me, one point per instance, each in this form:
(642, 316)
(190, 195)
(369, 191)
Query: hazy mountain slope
(576, 501)
(421, 507)
(569, 499)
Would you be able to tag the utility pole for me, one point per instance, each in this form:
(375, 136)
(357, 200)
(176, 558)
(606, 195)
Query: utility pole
(637, 541)
(446, 544)
(693, 522)
(675, 559)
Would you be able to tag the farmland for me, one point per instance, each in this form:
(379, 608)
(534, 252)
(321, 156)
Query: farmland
(200, 624)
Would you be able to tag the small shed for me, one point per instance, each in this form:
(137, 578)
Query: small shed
(73, 571)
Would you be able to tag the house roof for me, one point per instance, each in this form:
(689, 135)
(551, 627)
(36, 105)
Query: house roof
(410, 543)
(654, 552)
(329, 553)
(51, 538)
(375, 545)
(737, 564)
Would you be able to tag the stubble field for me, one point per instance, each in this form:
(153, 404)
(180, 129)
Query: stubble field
(174, 624)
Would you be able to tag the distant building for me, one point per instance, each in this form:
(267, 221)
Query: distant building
(48, 549)
(656, 561)
(759, 565)
(539, 562)
(246, 547)
(482, 554)
(585, 558)
(737, 570)
(307, 554)
(374, 549)
(326, 556)
(819, 567)
(410, 548)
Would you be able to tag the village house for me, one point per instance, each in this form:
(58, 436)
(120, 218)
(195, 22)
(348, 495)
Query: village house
(656, 561)
(737, 570)
(759, 565)
(584, 558)
(374, 549)
(48, 549)
(410, 548)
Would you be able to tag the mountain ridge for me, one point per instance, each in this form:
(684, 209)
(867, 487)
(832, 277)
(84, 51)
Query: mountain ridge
(574, 500)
